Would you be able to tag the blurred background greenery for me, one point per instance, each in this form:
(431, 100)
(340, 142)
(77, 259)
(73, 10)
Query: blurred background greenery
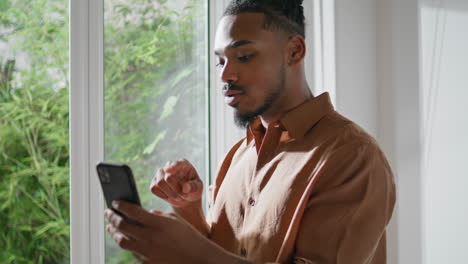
(155, 99)
(156, 92)
(34, 159)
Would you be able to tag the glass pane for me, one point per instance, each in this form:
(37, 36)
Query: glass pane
(34, 154)
(155, 90)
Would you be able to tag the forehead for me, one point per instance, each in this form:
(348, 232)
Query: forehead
(241, 27)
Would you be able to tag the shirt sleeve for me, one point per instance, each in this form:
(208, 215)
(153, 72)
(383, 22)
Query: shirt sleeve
(345, 219)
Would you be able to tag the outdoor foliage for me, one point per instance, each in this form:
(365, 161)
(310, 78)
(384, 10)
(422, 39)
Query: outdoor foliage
(34, 192)
(155, 81)
(155, 89)
(154, 100)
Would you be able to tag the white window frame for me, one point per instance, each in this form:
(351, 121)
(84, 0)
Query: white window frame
(87, 110)
(86, 130)
(320, 39)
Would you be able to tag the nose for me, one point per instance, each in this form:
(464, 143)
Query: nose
(229, 73)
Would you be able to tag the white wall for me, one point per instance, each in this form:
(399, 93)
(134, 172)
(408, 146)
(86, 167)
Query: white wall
(402, 74)
(399, 120)
(444, 93)
(377, 58)
(356, 71)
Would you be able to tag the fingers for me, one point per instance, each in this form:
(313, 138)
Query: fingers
(120, 223)
(192, 190)
(132, 211)
(122, 240)
(180, 167)
(177, 183)
(139, 240)
(166, 186)
(192, 186)
(152, 241)
(174, 180)
(156, 185)
(138, 248)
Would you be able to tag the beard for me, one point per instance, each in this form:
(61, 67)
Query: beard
(244, 120)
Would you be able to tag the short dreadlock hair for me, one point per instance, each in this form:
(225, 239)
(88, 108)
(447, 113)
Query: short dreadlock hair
(284, 15)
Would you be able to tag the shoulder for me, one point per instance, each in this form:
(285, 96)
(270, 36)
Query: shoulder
(336, 132)
(348, 152)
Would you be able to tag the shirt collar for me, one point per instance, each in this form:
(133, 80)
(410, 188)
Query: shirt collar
(299, 120)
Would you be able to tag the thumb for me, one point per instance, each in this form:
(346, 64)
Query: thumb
(192, 187)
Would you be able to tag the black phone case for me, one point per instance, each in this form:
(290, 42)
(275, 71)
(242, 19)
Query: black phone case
(117, 183)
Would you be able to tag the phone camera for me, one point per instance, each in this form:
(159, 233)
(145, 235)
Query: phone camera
(104, 175)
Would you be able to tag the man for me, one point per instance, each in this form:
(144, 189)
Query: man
(305, 185)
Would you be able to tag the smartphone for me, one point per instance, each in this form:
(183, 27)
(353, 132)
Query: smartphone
(118, 183)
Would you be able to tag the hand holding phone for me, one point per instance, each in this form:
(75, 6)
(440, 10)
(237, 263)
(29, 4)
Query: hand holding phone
(118, 184)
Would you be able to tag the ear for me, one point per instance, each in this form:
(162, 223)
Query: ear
(296, 50)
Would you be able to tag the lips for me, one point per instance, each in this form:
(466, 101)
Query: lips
(232, 97)
(231, 92)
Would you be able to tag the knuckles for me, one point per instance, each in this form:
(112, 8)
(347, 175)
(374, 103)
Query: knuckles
(171, 179)
(182, 164)
(119, 223)
(158, 184)
(122, 241)
(164, 179)
(177, 163)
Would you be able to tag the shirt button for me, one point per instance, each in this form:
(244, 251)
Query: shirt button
(251, 202)
(243, 252)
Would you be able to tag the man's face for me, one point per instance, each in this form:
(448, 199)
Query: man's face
(251, 64)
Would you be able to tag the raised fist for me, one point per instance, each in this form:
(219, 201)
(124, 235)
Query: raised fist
(178, 183)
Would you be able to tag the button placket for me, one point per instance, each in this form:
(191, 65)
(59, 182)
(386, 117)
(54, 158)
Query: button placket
(269, 145)
(243, 252)
(252, 202)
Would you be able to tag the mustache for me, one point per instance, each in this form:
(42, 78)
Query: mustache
(232, 87)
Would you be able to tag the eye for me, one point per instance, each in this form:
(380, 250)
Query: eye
(244, 58)
(220, 63)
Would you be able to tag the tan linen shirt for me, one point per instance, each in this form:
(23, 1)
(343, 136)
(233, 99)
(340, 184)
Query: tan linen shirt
(311, 188)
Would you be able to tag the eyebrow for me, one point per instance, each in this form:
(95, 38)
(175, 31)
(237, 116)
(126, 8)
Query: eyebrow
(237, 44)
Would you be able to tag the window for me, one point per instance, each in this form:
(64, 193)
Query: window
(34, 152)
(139, 88)
(155, 91)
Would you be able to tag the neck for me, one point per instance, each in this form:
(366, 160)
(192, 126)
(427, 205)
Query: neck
(289, 101)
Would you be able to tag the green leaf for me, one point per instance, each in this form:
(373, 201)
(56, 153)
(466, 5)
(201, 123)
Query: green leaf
(182, 75)
(169, 106)
(47, 227)
(150, 149)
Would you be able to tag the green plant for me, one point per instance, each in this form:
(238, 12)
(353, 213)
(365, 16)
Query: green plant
(154, 100)
(34, 177)
(155, 60)
(34, 186)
